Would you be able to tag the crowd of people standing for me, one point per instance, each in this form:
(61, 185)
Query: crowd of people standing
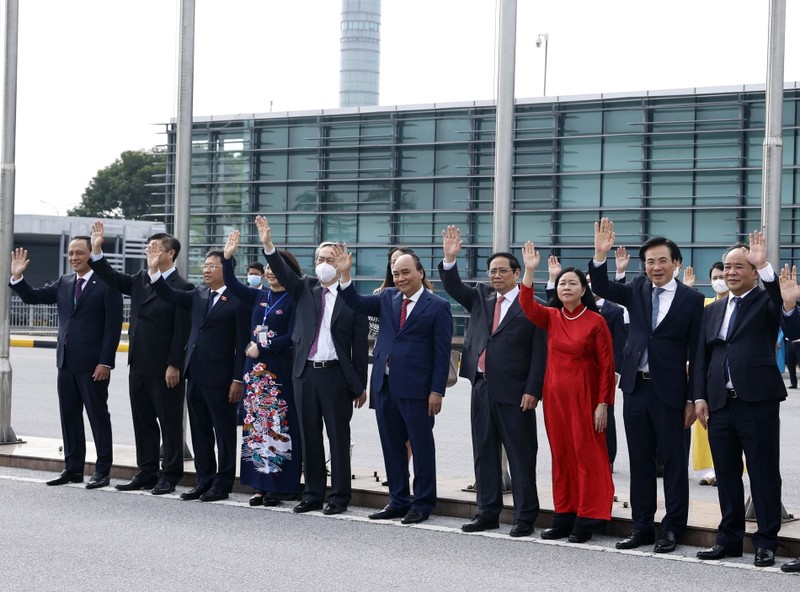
(292, 357)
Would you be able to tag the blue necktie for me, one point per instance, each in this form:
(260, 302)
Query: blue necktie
(653, 323)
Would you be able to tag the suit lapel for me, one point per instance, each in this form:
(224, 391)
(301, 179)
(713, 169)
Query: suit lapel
(421, 304)
(744, 308)
(488, 309)
(513, 311)
(397, 300)
(87, 288)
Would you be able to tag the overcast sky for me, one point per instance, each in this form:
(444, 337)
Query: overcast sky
(96, 77)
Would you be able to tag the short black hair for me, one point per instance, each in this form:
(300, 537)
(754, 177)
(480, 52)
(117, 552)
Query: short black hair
(256, 265)
(88, 239)
(588, 297)
(170, 242)
(657, 241)
(716, 265)
(512, 261)
(218, 253)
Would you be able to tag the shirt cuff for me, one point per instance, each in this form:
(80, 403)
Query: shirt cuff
(619, 276)
(448, 266)
(767, 274)
(96, 257)
(345, 285)
(550, 285)
(271, 252)
(14, 282)
(154, 276)
(596, 263)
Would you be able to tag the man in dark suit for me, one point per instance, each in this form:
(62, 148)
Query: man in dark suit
(614, 316)
(738, 390)
(330, 372)
(665, 321)
(89, 325)
(504, 359)
(411, 361)
(213, 366)
(157, 338)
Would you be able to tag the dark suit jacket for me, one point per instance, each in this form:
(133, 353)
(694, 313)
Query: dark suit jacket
(750, 351)
(159, 330)
(515, 362)
(92, 326)
(670, 345)
(420, 351)
(615, 319)
(216, 344)
(348, 330)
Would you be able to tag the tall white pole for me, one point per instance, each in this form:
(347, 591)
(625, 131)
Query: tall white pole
(773, 133)
(7, 178)
(183, 140)
(504, 132)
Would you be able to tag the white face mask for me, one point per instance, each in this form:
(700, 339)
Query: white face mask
(325, 272)
(719, 286)
(254, 280)
(676, 272)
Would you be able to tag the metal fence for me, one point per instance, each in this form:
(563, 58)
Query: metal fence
(44, 317)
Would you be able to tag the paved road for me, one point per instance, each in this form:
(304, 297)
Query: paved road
(68, 538)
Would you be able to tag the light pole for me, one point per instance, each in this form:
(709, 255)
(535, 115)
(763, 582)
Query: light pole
(543, 38)
(47, 203)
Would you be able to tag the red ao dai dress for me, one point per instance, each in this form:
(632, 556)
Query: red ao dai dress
(579, 375)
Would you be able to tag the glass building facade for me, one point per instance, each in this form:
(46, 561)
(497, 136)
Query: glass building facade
(686, 165)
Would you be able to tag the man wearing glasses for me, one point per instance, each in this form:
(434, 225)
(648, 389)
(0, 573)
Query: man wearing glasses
(504, 359)
(213, 366)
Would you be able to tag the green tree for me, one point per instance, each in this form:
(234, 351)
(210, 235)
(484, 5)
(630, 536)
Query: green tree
(124, 189)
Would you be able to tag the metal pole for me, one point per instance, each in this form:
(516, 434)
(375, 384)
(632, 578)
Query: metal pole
(504, 133)
(546, 44)
(773, 133)
(7, 178)
(183, 149)
(183, 141)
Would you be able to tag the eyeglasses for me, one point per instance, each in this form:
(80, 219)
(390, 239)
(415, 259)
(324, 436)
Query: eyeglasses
(499, 271)
(211, 266)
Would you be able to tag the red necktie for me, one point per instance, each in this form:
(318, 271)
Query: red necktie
(498, 306)
(404, 311)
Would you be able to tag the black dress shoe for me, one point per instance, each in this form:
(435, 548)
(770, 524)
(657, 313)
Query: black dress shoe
(270, 500)
(481, 523)
(521, 528)
(214, 495)
(388, 513)
(579, 536)
(334, 508)
(137, 483)
(636, 539)
(764, 558)
(414, 517)
(66, 477)
(163, 487)
(718, 552)
(556, 532)
(97, 481)
(665, 542)
(195, 492)
(304, 507)
(791, 567)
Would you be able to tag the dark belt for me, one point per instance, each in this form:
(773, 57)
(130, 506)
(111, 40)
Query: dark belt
(480, 376)
(731, 394)
(643, 375)
(323, 364)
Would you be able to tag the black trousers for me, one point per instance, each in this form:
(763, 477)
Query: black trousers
(212, 419)
(157, 414)
(323, 398)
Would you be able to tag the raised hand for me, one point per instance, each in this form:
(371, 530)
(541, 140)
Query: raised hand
(19, 262)
(451, 243)
(622, 259)
(155, 252)
(757, 255)
(344, 260)
(553, 267)
(264, 233)
(688, 276)
(98, 236)
(530, 256)
(790, 292)
(604, 238)
(232, 243)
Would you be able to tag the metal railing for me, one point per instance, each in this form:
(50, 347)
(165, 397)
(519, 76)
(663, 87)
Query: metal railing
(43, 318)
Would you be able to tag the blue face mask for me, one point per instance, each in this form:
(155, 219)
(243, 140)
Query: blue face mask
(254, 281)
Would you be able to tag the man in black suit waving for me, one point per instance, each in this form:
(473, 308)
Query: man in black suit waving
(665, 321)
(157, 336)
(214, 366)
(89, 325)
(504, 359)
(738, 391)
(330, 371)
